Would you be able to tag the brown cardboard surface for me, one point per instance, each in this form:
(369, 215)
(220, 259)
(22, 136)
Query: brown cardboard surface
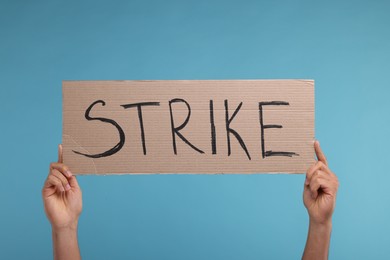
(286, 128)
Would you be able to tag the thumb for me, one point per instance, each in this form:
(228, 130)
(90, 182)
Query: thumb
(320, 155)
(60, 160)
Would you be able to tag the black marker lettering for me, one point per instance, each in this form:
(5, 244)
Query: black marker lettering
(262, 127)
(118, 146)
(213, 141)
(232, 131)
(141, 122)
(175, 130)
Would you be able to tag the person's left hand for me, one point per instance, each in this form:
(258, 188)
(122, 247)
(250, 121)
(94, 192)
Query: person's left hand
(319, 195)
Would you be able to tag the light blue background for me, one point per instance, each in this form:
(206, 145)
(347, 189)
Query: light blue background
(343, 45)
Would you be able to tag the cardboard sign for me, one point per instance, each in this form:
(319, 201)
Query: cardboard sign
(188, 126)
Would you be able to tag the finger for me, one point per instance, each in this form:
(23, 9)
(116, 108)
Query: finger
(73, 182)
(60, 153)
(62, 168)
(315, 185)
(315, 167)
(329, 172)
(62, 178)
(320, 155)
(317, 174)
(323, 185)
(322, 181)
(326, 169)
(333, 183)
(310, 172)
(53, 181)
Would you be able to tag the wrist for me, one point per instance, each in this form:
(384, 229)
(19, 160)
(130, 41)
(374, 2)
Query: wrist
(65, 242)
(321, 226)
(318, 239)
(65, 229)
(64, 235)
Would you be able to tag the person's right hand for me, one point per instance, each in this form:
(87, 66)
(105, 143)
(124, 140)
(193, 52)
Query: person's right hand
(61, 196)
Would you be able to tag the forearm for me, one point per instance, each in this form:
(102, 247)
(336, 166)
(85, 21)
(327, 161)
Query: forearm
(65, 244)
(318, 241)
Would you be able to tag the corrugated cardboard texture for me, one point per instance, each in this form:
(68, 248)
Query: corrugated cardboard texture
(288, 129)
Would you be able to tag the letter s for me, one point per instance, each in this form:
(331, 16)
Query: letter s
(118, 146)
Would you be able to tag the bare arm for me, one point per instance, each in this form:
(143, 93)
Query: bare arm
(62, 200)
(319, 197)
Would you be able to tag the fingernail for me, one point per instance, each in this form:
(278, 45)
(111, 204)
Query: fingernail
(67, 186)
(68, 173)
(62, 189)
(306, 181)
